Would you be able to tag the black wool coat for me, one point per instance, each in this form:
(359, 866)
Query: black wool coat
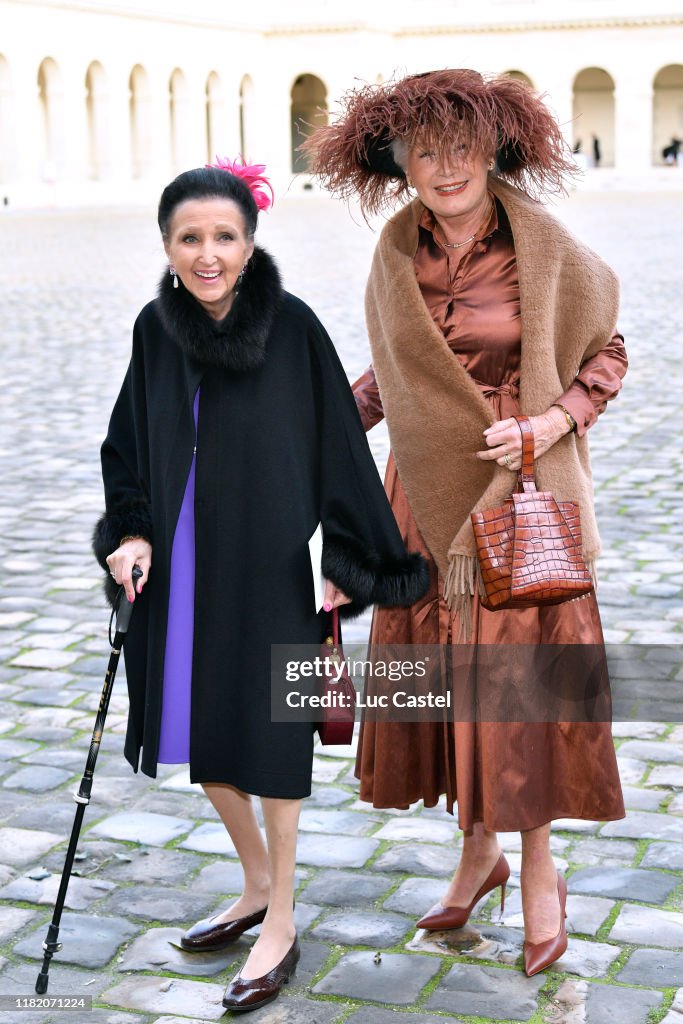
(279, 448)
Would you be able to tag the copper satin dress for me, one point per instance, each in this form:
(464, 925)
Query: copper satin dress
(510, 776)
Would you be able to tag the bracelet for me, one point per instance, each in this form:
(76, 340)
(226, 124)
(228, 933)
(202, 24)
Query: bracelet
(568, 416)
(130, 536)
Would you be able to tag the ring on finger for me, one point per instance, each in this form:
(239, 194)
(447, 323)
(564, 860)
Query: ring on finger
(113, 575)
(507, 460)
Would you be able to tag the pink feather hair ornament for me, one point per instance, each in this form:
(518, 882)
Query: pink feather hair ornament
(252, 174)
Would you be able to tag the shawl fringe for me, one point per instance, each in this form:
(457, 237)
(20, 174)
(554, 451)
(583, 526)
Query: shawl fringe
(464, 580)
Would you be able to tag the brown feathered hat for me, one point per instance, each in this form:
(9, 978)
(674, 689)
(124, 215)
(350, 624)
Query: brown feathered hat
(498, 115)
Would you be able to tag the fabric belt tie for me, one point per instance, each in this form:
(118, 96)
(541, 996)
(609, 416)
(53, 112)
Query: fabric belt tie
(510, 389)
(503, 398)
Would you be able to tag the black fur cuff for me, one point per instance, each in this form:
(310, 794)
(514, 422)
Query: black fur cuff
(367, 578)
(130, 520)
(126, 521)
(401, 581)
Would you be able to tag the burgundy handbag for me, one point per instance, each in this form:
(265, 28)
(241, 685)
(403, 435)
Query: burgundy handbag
(336, 724)
(529, 548)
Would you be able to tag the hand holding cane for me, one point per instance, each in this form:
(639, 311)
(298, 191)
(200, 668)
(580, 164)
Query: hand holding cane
(123, 611)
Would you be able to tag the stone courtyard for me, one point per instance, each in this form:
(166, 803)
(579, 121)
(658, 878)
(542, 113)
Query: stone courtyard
(153, 857)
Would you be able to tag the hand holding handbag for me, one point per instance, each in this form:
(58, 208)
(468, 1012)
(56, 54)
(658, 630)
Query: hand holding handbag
(336, 724)
(529, 548)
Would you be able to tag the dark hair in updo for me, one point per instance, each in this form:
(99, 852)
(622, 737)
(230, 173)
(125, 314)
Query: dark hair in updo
(207, 183)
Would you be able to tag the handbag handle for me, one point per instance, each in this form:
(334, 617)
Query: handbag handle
(526, 478)
(335, 626)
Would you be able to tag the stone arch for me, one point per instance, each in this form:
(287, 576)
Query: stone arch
(214, 105)
(667, 110)
(52, 124)
(179, 120)
(593, 114)
(520, 76)
(308, 111)
(96, 113)
(246, 118)
(140, 112)
(7, 133)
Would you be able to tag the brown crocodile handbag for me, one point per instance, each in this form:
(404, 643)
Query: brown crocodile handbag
(529, 548)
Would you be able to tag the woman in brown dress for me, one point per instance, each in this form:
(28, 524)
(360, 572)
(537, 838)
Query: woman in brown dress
(480, 306)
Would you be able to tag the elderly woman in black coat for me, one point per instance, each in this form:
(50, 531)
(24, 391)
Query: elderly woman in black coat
(234, 436)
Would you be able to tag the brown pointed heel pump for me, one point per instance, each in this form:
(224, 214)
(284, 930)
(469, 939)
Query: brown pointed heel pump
(244, 994)
(539, 955)
(439, 917)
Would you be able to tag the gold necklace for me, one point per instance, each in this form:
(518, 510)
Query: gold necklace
(459, 245)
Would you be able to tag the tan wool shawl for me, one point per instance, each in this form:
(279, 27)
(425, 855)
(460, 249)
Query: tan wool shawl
(436, 413)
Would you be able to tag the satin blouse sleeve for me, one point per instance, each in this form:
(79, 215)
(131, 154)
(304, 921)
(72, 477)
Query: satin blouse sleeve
(368, 402)
(597, 383)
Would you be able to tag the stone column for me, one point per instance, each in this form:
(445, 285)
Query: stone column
(8, 165)
(227, 140)
(192, 149)
(269, 130)
(98, 120)
(119, 170)
(159, 166)
(72, 124)
(28, 135)
(633, 121)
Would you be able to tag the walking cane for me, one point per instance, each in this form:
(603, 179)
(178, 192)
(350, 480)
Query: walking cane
(123, 611)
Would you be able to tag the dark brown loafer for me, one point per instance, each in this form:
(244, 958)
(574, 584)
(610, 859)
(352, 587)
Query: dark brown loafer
(245, 994)
(207, 935)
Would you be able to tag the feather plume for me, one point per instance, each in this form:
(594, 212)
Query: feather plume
(252, 174)
(497, 115)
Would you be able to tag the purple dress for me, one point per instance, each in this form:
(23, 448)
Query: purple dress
(174, 741)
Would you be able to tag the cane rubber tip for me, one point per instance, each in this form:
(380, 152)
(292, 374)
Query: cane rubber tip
(41, 983)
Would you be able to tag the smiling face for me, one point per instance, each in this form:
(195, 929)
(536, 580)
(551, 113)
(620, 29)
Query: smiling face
(453, 188)
(208, 245)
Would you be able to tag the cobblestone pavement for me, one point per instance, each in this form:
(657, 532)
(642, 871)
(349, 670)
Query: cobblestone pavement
(153, 856)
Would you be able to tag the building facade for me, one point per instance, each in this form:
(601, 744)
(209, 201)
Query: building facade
(103, 101)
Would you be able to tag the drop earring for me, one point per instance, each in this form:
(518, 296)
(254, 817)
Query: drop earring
(171, 270)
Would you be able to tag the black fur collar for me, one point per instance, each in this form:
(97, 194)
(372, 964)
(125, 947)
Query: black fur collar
(238, 342)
